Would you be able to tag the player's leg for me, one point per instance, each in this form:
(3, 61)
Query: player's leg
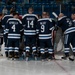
(21, 49)
(73, 45)
(67, 41)
(34, 48)
(6, 48)
(10, 48)
(42, 48)
(50, 49)
(16, 48)
(27, 47)
(5, 39)
(6, 51)
(1, 42)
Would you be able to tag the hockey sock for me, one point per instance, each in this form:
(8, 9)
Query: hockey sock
(43, 56)
(74, 53)
(27, 54)
(6, 53)
(66, 54)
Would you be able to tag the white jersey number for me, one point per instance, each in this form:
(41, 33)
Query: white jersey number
(13, 27)
(42, 28)
(30, 24)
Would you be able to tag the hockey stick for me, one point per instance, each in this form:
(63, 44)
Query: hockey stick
(56, 16)
(53, 33)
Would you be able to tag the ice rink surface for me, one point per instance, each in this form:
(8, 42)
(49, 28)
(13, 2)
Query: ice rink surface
(54, 67)
(22, 67)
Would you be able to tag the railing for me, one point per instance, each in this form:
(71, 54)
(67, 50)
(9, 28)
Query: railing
(40, 7)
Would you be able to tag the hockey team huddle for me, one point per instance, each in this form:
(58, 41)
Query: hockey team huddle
(37, 35)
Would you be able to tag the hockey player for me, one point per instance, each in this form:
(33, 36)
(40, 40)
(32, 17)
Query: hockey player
(71, 37)
(29, 21)
(44, 30)
(1, 33)
(13, 29)
(69, 32)
(53, 32)
(4, 20)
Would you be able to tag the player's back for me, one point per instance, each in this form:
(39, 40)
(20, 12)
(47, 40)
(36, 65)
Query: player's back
(5, 18)
(29, 21)
(44, 27)
(14, 27)
(64, 22)
(71, 27)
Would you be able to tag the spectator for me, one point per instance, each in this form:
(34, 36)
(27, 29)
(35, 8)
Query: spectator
(14, 1)
(9, 2)
(1, 2)
(12, 9)
(4, 11)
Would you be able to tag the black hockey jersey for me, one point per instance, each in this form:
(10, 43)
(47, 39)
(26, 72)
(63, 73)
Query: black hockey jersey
(73, 23)
(53, 21)
(4, 20)
(29, 22)
(71, 27)
(44, 28)
(66, 25)
(14, 28)
(1, 29)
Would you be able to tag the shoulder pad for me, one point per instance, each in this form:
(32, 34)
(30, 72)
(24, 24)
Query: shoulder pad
(7, 16)
(30, 15)
(61, 18)
(45, 19)
(15, 20)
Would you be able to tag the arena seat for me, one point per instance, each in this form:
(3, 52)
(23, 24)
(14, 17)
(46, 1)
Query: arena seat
(48, 5)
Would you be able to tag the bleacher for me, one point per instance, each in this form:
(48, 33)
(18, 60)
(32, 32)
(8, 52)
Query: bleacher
(39, 6)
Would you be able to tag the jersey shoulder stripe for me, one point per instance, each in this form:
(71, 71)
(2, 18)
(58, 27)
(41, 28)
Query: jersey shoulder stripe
(15, 20)
(62, 18)
(30, 15)
(7, 16)
(50, 19)
(45, 19)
